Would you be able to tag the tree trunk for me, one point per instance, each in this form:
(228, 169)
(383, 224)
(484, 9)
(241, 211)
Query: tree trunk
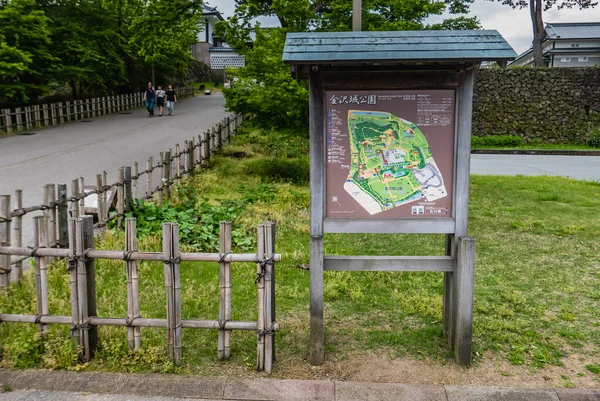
(73, 86)
(539, 32)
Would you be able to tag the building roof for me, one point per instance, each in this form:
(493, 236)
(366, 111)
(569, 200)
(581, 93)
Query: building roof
(207, 10)
(573, 30)
(398, 46)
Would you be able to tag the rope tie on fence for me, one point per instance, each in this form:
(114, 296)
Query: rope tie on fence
(127, 255)
(129, 322)
(172, 261)
(5, 270)
(222, 323)
(5, 220)
(18, 212)
(83, 326)
(38, 318)
(82, 256)
(34, 250)
(265, 332)
(263, 264)
(223, 256)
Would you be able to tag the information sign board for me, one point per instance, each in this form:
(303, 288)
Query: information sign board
(390, 154)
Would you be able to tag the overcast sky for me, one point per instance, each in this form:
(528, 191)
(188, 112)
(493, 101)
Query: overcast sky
(514, 25)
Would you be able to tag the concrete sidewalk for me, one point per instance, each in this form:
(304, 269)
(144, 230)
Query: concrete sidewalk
(95, 386)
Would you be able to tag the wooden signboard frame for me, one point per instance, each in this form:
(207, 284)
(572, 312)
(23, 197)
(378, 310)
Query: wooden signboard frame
(459, 263)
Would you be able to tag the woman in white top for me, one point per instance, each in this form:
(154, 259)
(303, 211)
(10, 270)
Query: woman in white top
(160, 100)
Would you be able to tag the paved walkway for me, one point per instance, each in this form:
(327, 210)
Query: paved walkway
(95, 386)
(84, 149)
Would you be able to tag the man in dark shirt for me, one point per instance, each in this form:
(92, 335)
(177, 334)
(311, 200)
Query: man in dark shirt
(149, 95)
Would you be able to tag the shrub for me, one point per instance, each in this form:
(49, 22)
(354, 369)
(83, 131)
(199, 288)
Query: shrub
(502, 141)
(593, 139)
(280, 169)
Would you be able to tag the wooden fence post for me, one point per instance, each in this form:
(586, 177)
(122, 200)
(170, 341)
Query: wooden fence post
(45, 113)
(73, 293)
(177, 162)
(61, 116)
(161, 173)
(166, 178)
(224, 344)
(90, 272)
(82, 194)
(63, 216)
(82, 291)
(4, 241)
(105, 198)
(131, 266)
(173, 290)
(190, 157)
(74, 209)
(52, 224)
(271, 234)
(100, 199)
(8, 120)
(269, 297)
(18, 235)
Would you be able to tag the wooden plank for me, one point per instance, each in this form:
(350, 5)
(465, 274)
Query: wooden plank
(317, 210)
(464, 288)
(390, 226)
(389, 263)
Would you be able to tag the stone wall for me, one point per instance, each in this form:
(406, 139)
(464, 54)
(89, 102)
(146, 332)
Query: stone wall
(560, 105)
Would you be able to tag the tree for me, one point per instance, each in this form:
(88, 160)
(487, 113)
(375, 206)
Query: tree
(24, 55)
(535, 11)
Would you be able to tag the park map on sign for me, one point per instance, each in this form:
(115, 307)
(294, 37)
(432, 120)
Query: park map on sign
(391, 163)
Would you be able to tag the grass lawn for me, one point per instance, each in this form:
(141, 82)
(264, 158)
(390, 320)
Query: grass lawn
(537, 284)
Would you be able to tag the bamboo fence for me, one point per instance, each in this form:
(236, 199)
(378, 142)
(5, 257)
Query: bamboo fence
(47, 115)
(81, 256)
(111, 201)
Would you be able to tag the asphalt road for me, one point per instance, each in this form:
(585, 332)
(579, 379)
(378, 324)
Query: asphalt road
(84, 149)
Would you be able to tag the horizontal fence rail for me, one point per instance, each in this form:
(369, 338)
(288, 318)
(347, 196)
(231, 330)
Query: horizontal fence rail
(81, 256)
(47, 115)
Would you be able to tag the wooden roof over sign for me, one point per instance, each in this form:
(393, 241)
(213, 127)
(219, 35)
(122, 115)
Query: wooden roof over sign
(396, 47)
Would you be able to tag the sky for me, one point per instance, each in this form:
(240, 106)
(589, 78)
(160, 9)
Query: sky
(513, 25)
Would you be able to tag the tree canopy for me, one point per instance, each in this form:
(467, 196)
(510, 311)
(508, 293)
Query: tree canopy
(98, 47)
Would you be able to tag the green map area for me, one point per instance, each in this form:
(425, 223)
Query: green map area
(391, 162)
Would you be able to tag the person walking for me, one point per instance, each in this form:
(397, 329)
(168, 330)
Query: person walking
(160, 100)
(149, 96)
(171, 99)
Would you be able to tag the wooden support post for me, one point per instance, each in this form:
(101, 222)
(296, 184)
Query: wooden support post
(213, 140)
(74, 297)
(135, 181)
(61, 114)
(175, 268)
(228, 130)
(464, 288)
(45, 113)
(37, 224)
(317, 208)
(224, 346)
(185, 156)
(27, 117)
(18, 235)
(46, 204)
(19, 118)
(149, 172)
(84, 230)
(4, 241)
(120, 196)
(105, 199)
(38, 119)
(127, 189)
(8, 120)
(41, 269)
(82, 194)
(447, 300)
(131, 266)
(63, 216)
(260, 271)
(198, 146)
(169, 288)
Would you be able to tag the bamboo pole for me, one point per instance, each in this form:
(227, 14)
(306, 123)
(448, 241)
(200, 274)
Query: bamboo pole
(42, 268)
(82, 292)
(100, 199)
(225, 287)
(127, 189)
(131, 246)
(105, 199)
(120, 196)
(137, 334)
(167, 255)
(82, 200)
(269, 295)
(149, 169)
(52, 226)
(4, 241)
(190, 157)
(166, 179)
(176, 271)
(135, 179)
(37, 224)
(73, 283)
(18, 235)
(177, 162)
(63, 216)
(74, 208)
(46, 202)
(260, 354)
